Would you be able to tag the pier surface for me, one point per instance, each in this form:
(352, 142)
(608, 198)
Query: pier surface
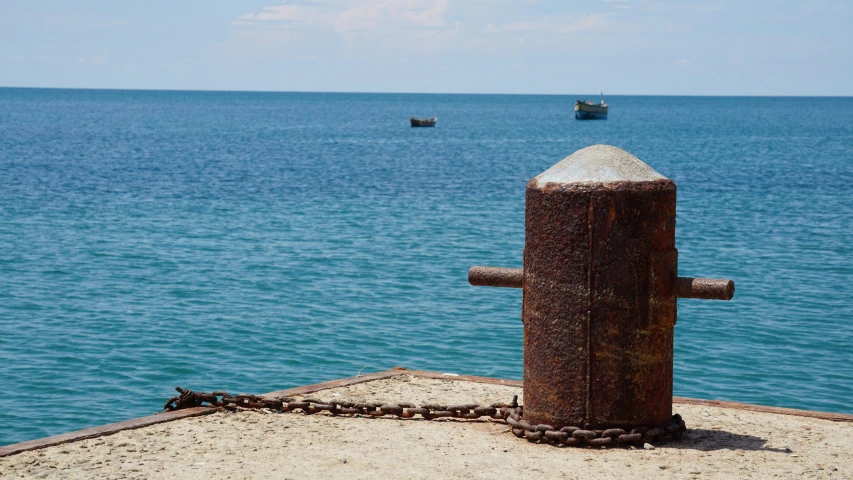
(724, 440)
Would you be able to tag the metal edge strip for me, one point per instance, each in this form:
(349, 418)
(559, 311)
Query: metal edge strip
(104, 430)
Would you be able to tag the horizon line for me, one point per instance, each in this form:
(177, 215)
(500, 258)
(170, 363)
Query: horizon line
(182, 90)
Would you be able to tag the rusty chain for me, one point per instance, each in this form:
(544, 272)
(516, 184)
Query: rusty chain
(510, 413)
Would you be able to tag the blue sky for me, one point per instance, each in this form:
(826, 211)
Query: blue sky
(473, 46)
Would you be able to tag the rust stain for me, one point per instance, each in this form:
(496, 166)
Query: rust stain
(598, 322)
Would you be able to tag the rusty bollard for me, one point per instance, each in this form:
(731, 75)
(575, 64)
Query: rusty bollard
(600, 282)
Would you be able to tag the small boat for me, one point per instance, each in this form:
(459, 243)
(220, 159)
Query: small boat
(424, 122)
(587, 110)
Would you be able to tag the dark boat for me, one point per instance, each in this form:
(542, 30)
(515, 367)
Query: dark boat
(586, 110)
(425, 122)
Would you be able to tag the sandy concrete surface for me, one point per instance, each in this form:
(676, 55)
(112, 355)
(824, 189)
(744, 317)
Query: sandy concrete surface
(720, 443)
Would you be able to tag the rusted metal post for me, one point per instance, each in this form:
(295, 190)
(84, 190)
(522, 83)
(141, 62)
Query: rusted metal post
(600, 286)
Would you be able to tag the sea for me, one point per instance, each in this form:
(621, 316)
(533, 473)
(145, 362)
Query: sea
(251, 242)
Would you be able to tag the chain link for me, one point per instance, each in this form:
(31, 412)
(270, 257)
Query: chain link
(511, 413)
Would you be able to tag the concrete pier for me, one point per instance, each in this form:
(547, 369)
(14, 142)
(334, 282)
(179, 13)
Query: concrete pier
(724, 440)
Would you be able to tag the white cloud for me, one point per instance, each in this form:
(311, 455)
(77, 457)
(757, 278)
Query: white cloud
(280, 13)
(98, 59)
(409, 25)
(550, 25)
(431, 15)
(683, 62)
(354, 15)
(529, 26)
(585, 23)
(365, 28)
(362, 16)
(621, 4)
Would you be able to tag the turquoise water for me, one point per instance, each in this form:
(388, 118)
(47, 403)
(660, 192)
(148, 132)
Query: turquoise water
(256, 241)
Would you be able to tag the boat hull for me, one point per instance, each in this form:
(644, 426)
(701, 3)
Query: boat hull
(427, 122)
(582, 115)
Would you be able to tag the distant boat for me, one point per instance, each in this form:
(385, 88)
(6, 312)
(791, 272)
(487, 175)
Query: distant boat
(425, 122)
(587, 110)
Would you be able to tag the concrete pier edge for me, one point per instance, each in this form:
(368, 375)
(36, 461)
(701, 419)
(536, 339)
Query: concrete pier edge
(113, 428)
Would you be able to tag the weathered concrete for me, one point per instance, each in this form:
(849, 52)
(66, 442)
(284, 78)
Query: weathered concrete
(722, 443)
(598, 164)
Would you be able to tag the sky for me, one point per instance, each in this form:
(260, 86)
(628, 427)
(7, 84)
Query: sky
(631, 47)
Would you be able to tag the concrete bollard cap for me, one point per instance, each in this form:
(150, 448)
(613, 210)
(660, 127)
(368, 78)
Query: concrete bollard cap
(599, 164)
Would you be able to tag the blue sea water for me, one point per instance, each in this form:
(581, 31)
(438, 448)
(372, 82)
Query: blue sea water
(256, 241)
